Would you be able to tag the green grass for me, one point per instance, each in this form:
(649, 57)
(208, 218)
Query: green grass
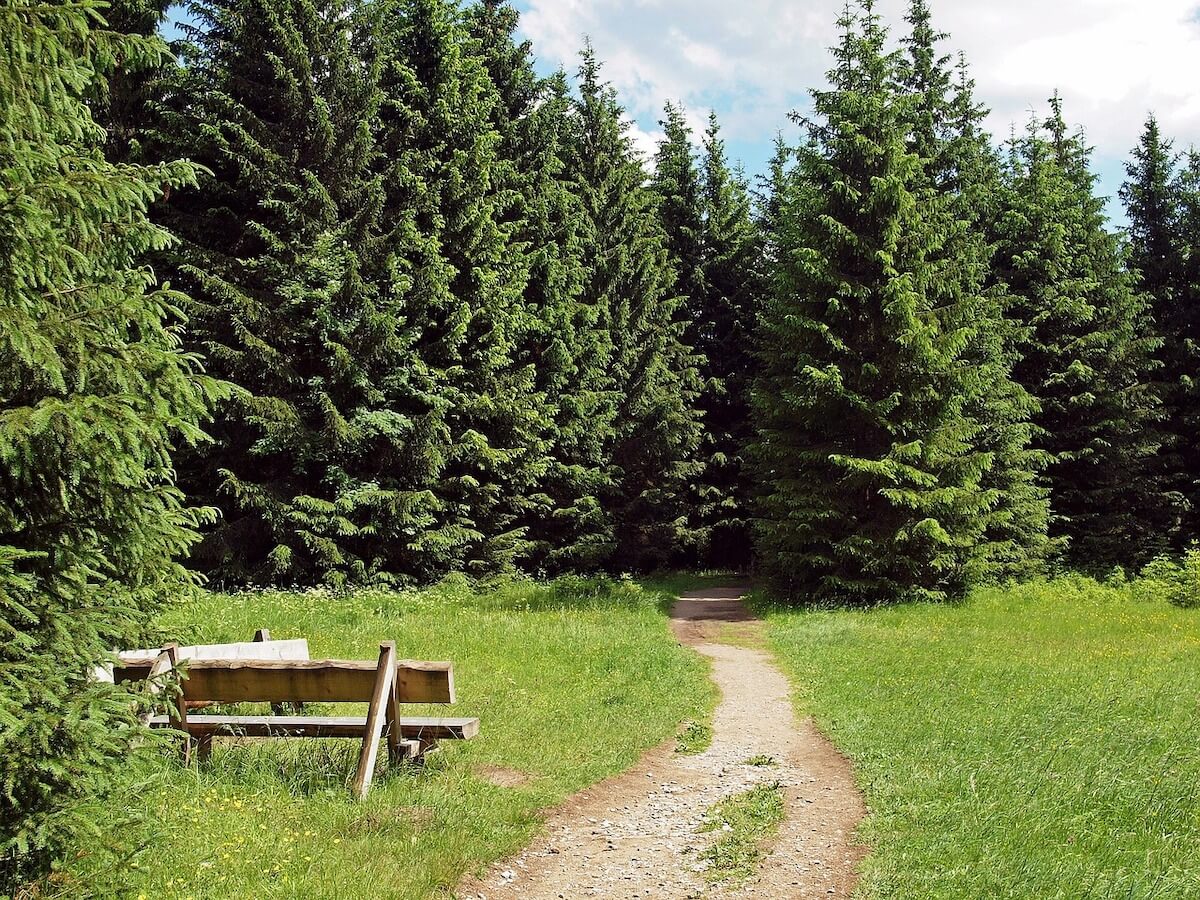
(695, 738)
(762, 759)
(572, 681)
(746, 823)
(1041, 741)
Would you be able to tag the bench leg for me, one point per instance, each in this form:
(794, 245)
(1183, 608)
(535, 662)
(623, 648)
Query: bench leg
(204, 747)
(385, 680)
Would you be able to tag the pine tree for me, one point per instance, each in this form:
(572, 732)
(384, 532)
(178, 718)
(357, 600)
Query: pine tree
(961, 167)
(1088, 355)
(1153, 201)
(94, 396)
(275, 102)
(652, 380)
(868, 450)
(448, 263)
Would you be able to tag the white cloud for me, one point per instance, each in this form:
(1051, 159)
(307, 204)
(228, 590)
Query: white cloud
(754, 60)
(645, 143)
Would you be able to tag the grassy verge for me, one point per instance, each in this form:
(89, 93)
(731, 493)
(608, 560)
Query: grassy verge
(746, 822)
(1041, 741)
(571, 681)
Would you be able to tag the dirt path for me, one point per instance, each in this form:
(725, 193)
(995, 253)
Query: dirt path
(635, 835)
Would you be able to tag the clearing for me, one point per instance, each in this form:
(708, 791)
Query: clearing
(1040, 741)
(573, 681)
(639, 834)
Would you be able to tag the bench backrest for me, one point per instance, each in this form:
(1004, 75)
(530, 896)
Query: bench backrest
(312, 681)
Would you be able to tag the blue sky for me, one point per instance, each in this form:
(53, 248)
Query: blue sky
(754, 61)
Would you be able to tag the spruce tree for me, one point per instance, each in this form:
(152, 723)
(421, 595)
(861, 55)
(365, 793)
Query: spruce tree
(1150, 202)
(1181, 326)
(95, 394)
(677, 185)
(721, 331)
(1155, 206)
(1088, 352)
(770, 196)
(124, 102)
(567, 342)
(447, 262)
(652, 380)
(274, 100)
(705, 213)
(868, 450)
(960, 165)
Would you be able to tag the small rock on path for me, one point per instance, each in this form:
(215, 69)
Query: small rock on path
(636, 835)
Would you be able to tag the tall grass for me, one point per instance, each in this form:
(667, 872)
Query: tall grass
(572, 680)
(1040, 741)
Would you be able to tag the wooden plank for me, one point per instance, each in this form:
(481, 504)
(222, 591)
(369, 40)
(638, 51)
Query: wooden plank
(273, 726)
(381, 696)
(261, 635)
(411, 728)
(425, 682)
(313, 681)
(446, 728)
(134, 665)
(392, 726)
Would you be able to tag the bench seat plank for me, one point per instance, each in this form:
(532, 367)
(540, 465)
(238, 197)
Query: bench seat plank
(411, 727)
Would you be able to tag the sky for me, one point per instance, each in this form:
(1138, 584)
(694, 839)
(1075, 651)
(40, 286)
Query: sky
(754, 61)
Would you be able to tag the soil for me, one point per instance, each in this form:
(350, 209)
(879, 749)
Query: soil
(502, 776)
(636, 835)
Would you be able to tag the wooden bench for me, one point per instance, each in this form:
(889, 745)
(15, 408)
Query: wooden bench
(383, 685)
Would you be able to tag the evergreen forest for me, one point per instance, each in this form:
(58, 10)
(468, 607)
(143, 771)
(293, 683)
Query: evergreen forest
(351, 294)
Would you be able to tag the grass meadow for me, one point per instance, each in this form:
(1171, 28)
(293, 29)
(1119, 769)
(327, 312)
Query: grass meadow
(1039, 741)
(572, 681)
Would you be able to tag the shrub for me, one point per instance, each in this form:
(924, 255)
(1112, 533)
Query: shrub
(1176, 580)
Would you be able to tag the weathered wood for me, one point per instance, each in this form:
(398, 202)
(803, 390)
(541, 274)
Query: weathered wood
(381, 696)
(313, 681)
(161, 665)
(408, 750)
(418, 680)
(444, 728)
(392, 725)
(412, 728)
(134, 665)
(261, 635)
(178, 717)
(239, 673)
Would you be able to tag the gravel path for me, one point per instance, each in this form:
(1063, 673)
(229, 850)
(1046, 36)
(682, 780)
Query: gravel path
(635, 835)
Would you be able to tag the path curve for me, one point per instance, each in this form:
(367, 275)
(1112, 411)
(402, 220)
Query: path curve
(635, 835)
